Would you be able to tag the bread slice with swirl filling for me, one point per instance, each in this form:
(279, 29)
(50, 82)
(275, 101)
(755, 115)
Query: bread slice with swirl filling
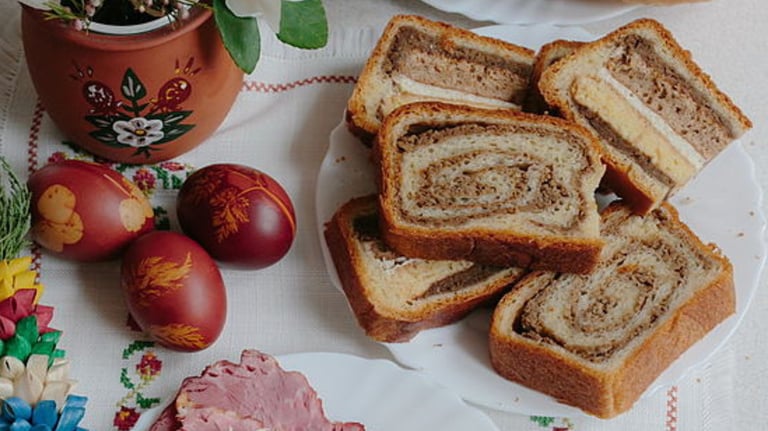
(548, 54)
(417, 59)
(660, 119)
(598, 341)
(395, 297)
(497, 187)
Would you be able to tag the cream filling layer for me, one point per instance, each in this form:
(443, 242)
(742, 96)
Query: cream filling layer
(638, 124)
(408, 90)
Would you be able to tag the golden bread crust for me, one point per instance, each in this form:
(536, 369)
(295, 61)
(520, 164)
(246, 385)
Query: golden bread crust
(611, 390)
(365, 124)
(379, 321)
(497, 248)
(619, 174)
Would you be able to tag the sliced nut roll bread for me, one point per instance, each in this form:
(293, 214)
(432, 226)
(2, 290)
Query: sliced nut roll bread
(659, 118)
(417, 59)
(598, 341)
(548, 54)
(395, 297)
(497, 187)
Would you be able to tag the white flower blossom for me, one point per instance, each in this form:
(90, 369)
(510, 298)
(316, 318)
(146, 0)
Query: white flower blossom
(138, 132)
(267, 9)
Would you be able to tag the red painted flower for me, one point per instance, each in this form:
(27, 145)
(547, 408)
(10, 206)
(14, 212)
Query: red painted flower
(126, 418)
(149, 366)
(144, 179)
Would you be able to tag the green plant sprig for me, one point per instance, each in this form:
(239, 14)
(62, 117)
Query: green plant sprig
(15, 217)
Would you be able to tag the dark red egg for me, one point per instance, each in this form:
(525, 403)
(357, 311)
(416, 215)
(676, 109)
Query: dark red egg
(174, 290)
(239, 214)
(86, 211)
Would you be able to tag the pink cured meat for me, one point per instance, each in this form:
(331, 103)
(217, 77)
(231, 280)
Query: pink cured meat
(255, 394)
(167, 420)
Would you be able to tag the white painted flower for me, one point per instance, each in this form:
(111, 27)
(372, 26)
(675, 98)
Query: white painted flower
(37, 4)
(267, 9)
(138, 132)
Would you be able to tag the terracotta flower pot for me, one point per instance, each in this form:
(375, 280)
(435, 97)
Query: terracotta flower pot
(132, 98)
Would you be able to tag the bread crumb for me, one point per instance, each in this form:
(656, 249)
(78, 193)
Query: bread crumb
(740, 234)
(686, 200)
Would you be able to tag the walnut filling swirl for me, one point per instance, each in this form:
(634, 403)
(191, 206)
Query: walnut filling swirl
(422, 57)
(595, 316)
(458, 175)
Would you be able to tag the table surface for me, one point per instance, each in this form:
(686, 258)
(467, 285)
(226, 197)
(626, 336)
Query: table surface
(284, 115)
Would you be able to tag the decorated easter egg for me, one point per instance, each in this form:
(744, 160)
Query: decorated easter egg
(241, 215)
(86, 211)
(174, 290)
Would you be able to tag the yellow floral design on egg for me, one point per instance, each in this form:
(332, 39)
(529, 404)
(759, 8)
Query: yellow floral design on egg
(60, 224)
(179, 335)
(134, 210)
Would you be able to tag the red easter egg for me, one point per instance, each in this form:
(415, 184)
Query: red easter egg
(86, 211)
(174, 290)
(240, 215)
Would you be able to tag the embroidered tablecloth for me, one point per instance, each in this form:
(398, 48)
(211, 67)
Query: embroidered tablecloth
(280, 123)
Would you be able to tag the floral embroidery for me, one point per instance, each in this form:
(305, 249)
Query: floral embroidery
(554, 424)
(169, 175)
(135, 402)
(149, 367)
(126, 418)
(138, 377)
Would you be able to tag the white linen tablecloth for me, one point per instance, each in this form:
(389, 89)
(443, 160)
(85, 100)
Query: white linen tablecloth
(280, 124)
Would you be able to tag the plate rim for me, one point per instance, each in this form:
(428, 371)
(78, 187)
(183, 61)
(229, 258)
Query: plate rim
(760, 246)
(508, 12)
(296, 362)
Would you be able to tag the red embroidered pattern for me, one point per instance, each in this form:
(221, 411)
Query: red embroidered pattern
(263, 87)
(671, 424)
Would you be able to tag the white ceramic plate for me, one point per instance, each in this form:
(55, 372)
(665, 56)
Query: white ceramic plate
(561, 12)
(722, 205)
(377, 393)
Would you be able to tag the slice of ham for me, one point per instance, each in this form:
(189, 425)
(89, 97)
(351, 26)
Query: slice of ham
(167, 420)
(256, 394)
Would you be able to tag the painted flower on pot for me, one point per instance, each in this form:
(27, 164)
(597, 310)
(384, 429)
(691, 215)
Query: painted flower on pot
(299, 23)
(142, 121)
(138, 132)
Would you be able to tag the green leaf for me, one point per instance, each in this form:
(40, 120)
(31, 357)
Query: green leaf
(106, 136)
(18, 347)
(50, 337)
(136, 346)
(146, 403)
(240, 36)
(132, 87)
(303, 24)
(43, 348)
(125, 380)
(174, 132)
(170, 118)
(100, 121)
(27, 328)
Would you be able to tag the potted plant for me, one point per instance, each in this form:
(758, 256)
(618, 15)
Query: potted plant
(141, 81)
